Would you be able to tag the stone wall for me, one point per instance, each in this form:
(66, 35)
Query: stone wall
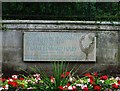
(108, 45)
(0, 52)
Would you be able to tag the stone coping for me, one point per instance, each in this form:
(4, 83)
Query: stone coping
(58, 22)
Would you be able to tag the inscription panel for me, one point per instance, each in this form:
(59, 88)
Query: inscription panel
(59, 46)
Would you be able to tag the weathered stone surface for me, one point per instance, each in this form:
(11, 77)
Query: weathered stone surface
(40, 25)
(12, 51)
(62, 27)
(1, 46)
(0, 52)
(108, 46)
(119, 47)
(58, 22)
(106, 53)
(57, 46)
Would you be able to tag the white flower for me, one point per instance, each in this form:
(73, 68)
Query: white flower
(28, 80)
(83, 86)
(1, 88)
(89, 80)
(64, 86)
(117, 78)
(102, 81)
(5, 87)
(10, 80)
(36, 75)
(37, 79)
(15, 76)
(78, 85)
(74, 87)
(52, 79)
(112, 78)
(70, 79)
(70, 88)
(33, 82)
(118, 90)
(30, 88)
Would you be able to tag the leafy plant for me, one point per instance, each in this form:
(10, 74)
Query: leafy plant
(62, 80)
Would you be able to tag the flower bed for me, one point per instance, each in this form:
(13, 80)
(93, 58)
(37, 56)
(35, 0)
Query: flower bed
(61, 80)
(90, 82)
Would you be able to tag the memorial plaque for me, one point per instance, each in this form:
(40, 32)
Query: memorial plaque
(59, 46)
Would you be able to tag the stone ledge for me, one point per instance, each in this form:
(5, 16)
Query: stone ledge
(36, 27)
(58, 22)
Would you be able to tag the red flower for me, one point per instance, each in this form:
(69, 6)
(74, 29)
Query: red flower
(21, 78)
(85, 89)
(67, 73)
(87, 74)
(74, 88)
(52, 79)
(9, 82)
(61, 87)
(68, 84)
(3, 79)
(14, 84)
(91, 80)
(95, 74)
(62, 75)
(104, 77)
(91, 77)
(14, 77)
(97, 88)
(119, 82)
(4, 87)
(9, 78)
(114, 86)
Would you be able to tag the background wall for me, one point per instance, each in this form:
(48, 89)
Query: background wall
(108, 45)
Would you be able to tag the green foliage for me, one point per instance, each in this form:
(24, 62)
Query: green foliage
(59, 76)
(63, 79)
(62, 11)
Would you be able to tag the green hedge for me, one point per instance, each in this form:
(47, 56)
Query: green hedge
(62, 10)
